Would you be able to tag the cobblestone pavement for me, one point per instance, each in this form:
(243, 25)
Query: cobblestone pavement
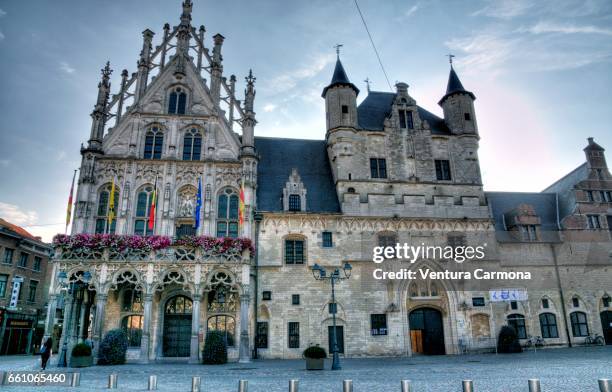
(575, 370)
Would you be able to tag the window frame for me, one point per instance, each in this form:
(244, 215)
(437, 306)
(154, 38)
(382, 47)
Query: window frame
(295, 299)
(23, 261)
(177, 101)
(548, 326)
(103, 208)
(327, 239)
(32, 284)
(259, 340)
(378, 324)
(153, 150)
(593, 222)
(3, 284)
(6, 259)
(294, 257)
(443, 170)
(138, 217)
(580, 328)
(293, 334)
(194, 154)
(227, 220)
(517, 321)
(134, 335)
(37, 265)
(378, 168)
(295, 202)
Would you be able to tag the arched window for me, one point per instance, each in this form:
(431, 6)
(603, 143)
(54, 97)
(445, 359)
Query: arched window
(132, 301)
(548, 325)
(225, 324)
(103, 210)
(579, 324)
(227, 214)
(517, 321)
(177, 101)
(413, 289)
(179, 305)
(144, 199)
(132, 326)
(192, 145)
(154, 140)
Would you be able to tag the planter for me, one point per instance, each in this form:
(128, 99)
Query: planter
(315, 363)
(81, 361)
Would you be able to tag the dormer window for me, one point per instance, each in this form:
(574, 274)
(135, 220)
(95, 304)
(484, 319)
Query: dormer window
(177, 101)
(528, 232)
(295, 203)
(405, 119)
(294, 193)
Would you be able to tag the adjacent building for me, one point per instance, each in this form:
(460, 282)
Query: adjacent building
(24, 281)
(175, 141)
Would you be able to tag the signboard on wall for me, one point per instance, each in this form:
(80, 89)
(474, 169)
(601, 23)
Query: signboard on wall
(502, 295)
(17, 281)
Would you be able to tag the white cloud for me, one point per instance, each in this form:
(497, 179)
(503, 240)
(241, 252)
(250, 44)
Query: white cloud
(61, 155)
(269, 107)
(14, 214)
(504, 9)
(412, 10)
(288, 80)
(2, 12)
(64, 66)
(551, 27)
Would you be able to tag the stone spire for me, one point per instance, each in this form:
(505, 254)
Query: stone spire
(216, 68)
(339, 79)
(144, 63)
(454, 86)
(184, 29)
(248, 122)
(99, 114)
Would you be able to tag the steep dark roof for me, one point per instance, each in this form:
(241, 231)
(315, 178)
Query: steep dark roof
(454, 86)
(371, 113)
(339, 79)
(545, 205)
(569, 180)
(278, 156)
(592, 146)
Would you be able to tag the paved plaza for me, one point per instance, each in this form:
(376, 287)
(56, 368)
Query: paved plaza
(575, 370)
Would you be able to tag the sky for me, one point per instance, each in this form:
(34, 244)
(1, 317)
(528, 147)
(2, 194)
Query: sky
(541, 71)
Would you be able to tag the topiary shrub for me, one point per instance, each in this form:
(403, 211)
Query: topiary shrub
(508, 341)
(81, 350)
(215, 348)
(113, 348)
(314, 352)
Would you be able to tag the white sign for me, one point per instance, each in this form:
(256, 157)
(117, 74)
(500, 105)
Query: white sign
(17, 280)
(508, 295)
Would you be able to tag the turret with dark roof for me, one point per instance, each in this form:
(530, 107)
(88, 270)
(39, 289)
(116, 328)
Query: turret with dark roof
(458, 106)
(339, 79)
(454, 86)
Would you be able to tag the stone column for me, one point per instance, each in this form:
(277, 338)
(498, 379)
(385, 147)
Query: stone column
(50, 320)
(194, 356)
(244, 329)
(145, 339)
(99, 320)
(63, 344)
(81, 331)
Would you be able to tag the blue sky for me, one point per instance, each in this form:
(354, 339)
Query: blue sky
(541, 72)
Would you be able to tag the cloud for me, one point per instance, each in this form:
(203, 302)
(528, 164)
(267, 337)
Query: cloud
(1, 35)
(64, 66)
(269, 107)
(551, 27)
(14, 214)
(412, 10)
(504, 9)
(2, 12)
(5, 162)
(288, 80)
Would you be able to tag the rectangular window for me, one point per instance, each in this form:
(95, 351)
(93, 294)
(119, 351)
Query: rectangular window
(580, 327)
(517, 321)
(478, 301)
(294, 334)
(3, 284)
(405, 119)
(294, 252)
(593, 222)
(23, 260)
(443, 172)
(513, 305)
(548, 326)
(266, 295)
(467, 117)
(32, 292)
(589, 195)
(545, 303)
(327, 239)
(295, 299)
(344, 109)
(529, 232)
(606, 302)
(8, 256)
(37, 263)
(378, 324)
(606, 196)
(261, 336)
(575, 302)
(378, 168)
(609, 222)
(295, 203)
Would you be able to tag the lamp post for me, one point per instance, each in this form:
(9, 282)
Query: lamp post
(70, 287)
(320, 273)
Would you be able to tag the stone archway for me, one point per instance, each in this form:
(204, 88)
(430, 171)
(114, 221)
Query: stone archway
(178, 313)
(427, 331)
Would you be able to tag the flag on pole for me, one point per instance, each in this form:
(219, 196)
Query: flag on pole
(69, 208)
(198, 204)
(111, 206)
(241, 205)
(152, 209)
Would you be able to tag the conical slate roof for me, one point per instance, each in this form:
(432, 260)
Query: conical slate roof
(339, 79)
(454, 86)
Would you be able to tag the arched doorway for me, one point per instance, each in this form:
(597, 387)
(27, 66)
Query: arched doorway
(177, 327)
(606, 325)
(426, 331)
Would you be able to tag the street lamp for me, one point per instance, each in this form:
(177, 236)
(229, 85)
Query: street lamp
(62, 279)
(320, 273)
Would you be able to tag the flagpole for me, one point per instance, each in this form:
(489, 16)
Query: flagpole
(69, 212)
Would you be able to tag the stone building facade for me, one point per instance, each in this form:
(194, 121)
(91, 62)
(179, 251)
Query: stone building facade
(387, 172)
(24, 281)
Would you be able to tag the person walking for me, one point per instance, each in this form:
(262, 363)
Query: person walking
(45, 352)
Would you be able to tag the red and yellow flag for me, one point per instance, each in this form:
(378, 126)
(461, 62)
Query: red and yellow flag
(111, 206)
(241, 205)
(69, 208)
(152, 210)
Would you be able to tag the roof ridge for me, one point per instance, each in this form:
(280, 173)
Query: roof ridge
(565, 176)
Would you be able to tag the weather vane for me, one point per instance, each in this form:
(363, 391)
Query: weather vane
(338, 46)
(450, 58)
(367, 82)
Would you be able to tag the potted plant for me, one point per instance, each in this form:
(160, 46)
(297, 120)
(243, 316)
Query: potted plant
(81, 356)
(315, 357)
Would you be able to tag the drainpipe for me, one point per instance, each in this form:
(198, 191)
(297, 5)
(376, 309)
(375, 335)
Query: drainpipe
(258, 218)
(559, 286)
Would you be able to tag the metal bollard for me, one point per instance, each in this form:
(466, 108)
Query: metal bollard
(152, 383)
(76, 380)
(112, 381)
(347, 386)
(405, 385)
(468, 386)
(293, 385)
(243, 386)
(604, 385)
(534, 385)
(195, 384)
